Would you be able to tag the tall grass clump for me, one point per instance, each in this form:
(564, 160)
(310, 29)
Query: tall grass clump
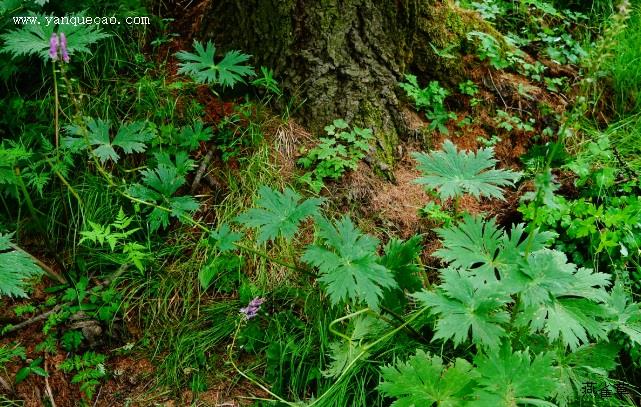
(624, 67)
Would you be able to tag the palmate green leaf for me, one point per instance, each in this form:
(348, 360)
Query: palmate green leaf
(625, 313)
(461, 307)
(33, 39)
(590, 362)
(561, 300)
(453, 173)
(278, 214)
(130, 138)
(202, 67)
(348, 263)
(180, 161)
(190, 137)
(485, 251)
(133, 136)
(509, 379)
(15, 268)
(159, 185)
(401, 258)
(475, 243)
(424, 381)
(224, 238)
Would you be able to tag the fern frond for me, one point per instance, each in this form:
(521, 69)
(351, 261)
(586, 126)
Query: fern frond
(33, 39)
(15, 268)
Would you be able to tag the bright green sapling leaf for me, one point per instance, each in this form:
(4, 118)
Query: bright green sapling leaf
(423, 380)
(461, 307)
(278, 214)
(348, 264)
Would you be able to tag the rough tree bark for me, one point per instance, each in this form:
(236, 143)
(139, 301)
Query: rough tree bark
(345, 58)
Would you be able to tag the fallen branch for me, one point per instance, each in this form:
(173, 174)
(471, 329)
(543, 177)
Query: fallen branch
(33, 320)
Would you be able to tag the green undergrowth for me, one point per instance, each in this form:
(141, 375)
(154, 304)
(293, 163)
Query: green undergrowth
(187, 243)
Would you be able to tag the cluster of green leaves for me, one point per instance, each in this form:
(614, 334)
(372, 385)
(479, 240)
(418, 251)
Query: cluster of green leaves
(22, 169)
(601, 226)
(117, 235)
(505, 378)
(430, 100)
(496, 283)
(489, 48)
(10, 352)
(510, 123)
(538, 24)
(499, 290)
(340, 151)
(88, 369)
(347, 259)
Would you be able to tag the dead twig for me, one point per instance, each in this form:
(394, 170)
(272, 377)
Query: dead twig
(201, 170)
(47, 386)
(5, 385)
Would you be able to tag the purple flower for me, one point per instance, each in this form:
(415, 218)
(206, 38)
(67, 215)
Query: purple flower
(252, 308)
(63, 47)
(53, 46)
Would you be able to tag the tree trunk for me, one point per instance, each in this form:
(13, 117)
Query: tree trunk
(345, 58)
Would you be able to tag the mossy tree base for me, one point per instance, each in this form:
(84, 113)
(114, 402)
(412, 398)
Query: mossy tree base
(345, 58)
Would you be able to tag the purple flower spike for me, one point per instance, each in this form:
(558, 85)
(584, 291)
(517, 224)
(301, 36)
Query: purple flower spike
(53, 46)
(63, 47)
(252, 308)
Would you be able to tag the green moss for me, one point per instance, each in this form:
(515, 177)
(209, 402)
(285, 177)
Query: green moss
(385, 134)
